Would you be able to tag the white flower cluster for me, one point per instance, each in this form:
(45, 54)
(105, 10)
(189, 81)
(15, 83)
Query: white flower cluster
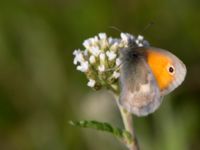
(100, 60)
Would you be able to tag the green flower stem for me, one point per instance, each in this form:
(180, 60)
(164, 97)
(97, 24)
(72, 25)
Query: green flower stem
(128, 124)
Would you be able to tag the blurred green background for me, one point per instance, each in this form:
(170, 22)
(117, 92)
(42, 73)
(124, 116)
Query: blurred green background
(40, 89)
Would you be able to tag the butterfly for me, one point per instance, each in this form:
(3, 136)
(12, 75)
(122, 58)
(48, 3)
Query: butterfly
(148, 74)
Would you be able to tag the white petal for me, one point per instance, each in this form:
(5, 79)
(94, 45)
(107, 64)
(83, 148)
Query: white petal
(75, 52)
(102, 36)
(110, 40)
(129, 36)
(101, 68)
(75, 61)
(115, 46)
(111, 55)
(95, 39)
(118, 62)
(140, 37)
(92, 59)
(87, 43)
(79, 68)
(124, 37)
(116, 74)
(91, 83)
(137, 41)
(95, 51)
(140, 44)
(83, 67)
(102, 56)
(78, 56)
(85, 52)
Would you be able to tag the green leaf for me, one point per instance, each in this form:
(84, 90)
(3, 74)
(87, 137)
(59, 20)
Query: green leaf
(103, 126)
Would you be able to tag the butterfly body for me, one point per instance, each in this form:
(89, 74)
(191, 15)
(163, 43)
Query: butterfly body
(147, 74)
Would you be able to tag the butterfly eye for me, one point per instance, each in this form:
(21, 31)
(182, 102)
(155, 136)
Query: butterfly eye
(171, 69)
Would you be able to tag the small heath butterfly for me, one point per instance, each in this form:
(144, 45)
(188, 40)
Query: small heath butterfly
(148, 74)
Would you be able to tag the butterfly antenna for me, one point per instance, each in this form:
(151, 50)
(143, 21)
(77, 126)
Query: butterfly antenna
(147, 26)
(115, 28)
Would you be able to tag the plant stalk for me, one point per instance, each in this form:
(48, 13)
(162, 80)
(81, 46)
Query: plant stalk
(128, 125)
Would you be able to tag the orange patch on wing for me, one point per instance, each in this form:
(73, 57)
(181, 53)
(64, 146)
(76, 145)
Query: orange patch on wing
(158, 63)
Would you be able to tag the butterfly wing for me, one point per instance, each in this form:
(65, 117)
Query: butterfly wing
(140, 93)
(159, 61)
